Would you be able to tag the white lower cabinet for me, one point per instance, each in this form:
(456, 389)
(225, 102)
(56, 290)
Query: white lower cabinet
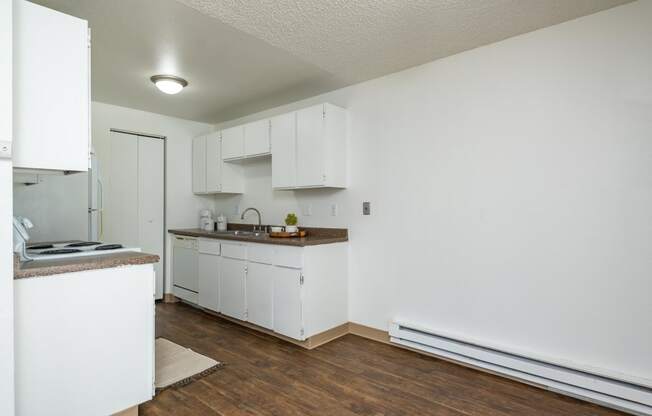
(287, 310)
(260, 294)
(232, 288)
(208, 267)
(296, 292)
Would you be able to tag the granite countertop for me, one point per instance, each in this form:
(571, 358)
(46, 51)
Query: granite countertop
(77, 264)
(315, 236)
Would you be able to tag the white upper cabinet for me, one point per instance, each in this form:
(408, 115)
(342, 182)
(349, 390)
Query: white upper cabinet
(233, 143)
(283, 133)
(309, 148)
(256, 138)
(51, 89)
(213, 163)
(210, 174)
(199, 165)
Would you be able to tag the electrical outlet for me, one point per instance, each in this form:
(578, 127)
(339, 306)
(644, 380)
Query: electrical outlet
(366, 208)
(334, 210)
(236, 210)
(306, 210)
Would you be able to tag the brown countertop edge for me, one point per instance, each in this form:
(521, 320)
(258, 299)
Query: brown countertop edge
(79, 264)
(315, 236)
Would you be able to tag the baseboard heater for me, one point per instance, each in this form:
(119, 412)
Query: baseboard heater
(629, 394)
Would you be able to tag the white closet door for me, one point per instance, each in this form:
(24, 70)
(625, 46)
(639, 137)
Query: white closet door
(151, 202)
(121, 210)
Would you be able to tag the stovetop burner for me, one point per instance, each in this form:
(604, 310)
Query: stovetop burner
(40, 247)
(84, 244)
(108, 247)
(61, 251)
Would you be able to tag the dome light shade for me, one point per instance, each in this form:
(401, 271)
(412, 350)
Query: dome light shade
(169, 84)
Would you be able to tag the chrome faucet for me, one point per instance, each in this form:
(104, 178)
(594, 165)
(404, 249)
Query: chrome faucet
(260, 224)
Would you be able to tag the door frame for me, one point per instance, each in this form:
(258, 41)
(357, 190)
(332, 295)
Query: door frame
(165, 190)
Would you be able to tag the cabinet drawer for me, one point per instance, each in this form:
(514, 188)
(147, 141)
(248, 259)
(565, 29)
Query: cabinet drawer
(261, 253)
(234, 251)
(184, 242)
(288, 257)
(209, 246)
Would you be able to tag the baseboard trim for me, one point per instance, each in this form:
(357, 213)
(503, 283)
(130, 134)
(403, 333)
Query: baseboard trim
(369, 332)
(310, 342)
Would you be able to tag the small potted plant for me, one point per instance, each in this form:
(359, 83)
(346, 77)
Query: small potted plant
(291, 223)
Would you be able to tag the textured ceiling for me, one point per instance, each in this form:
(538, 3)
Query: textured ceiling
(243, 56)
(226, 68)
(362, 39)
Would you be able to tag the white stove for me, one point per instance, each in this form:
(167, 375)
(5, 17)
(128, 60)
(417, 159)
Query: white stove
(73, 249)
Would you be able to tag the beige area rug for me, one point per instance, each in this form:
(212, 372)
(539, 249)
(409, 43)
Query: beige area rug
(177, 365)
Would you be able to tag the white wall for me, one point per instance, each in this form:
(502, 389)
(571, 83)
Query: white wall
(6, 251)
(511, 191)
(57, 206)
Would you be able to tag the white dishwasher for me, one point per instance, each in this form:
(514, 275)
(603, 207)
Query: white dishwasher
(185, 276)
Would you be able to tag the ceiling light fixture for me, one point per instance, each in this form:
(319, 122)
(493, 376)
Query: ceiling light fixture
(169, 84)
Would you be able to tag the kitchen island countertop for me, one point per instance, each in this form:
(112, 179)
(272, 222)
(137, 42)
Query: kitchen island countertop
(42, 268)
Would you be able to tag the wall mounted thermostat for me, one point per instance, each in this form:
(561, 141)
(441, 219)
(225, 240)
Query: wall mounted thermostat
(5, 149)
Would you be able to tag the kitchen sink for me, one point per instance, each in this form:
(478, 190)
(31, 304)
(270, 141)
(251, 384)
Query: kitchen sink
(243, 233)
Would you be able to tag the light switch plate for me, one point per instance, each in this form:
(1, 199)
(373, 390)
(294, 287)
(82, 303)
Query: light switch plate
(5, 149)
(366, 208)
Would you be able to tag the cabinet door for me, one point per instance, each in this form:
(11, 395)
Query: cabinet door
(213, 163)
(310, 146)
(51, 92)
(199, 165)
(260, 294)
(256, 138)
(232, 288)
(284, 151)
(151, 200)
(208, 268)
(233, 143)
(288, 319)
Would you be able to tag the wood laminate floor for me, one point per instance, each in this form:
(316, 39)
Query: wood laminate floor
(349, 376)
